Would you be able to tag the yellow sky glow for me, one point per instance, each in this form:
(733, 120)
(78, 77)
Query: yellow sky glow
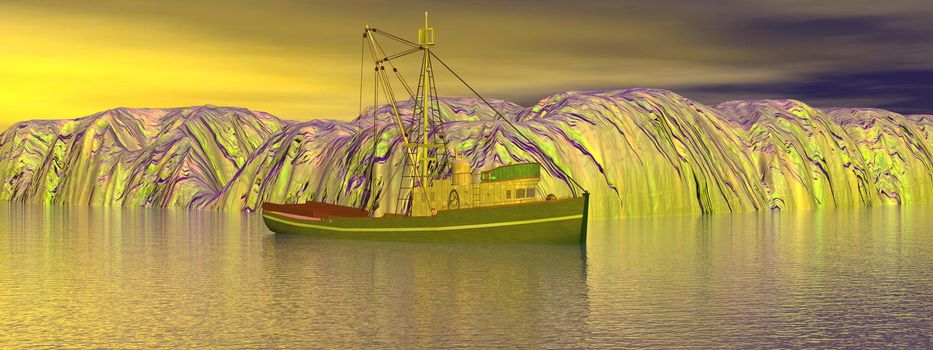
(66, 67)
(301, 60)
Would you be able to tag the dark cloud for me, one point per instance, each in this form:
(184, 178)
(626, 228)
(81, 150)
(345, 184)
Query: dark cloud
(874, 39)
(870, 29)
(902, 91)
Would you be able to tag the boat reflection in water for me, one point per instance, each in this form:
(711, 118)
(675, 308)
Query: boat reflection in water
(420, 295)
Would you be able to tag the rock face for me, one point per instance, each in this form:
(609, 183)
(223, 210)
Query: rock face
(638, 151)
(134, 157)
(925, 123)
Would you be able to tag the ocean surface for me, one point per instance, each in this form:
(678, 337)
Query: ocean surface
(145, 278)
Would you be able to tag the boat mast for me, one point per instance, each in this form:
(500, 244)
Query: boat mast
(419, 160)
(426, 40)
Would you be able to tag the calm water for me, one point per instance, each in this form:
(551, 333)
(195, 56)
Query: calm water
(77, 277)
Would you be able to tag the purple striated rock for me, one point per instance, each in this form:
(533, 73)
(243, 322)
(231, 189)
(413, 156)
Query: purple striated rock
(895, 151)
(134, 157)
(804, 159)
(639, 151)
(924, 122)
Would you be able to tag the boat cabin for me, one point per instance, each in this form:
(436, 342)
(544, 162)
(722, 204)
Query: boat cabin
(508, 184)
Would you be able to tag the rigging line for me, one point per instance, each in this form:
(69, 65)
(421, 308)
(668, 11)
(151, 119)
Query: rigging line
(401, 54)
(415, 99)
(372, 161)
(404, 83)
(382, 76)
(422, 180)
(359, 117)
(440, 120)
(390, 92)
(436, 113)
(437, 103)
(527, 139)
(388, 60)
(396, 38)
(362, 61)
(390, 95)
(440, 116)
(373, 48)
(375, 108)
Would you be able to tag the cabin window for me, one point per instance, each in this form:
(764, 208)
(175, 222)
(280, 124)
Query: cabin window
(530, 193)
(508, 194)
(520, 193)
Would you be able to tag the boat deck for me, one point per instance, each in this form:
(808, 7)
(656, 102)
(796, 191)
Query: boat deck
(556, 221)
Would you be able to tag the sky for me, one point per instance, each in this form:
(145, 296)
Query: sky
(301, 60)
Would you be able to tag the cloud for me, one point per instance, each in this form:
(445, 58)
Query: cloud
(902, 91)
(301, 59)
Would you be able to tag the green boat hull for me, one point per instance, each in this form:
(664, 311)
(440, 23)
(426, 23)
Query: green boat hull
(546, 222)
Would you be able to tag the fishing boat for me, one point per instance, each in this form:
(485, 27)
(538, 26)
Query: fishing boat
(442, 198)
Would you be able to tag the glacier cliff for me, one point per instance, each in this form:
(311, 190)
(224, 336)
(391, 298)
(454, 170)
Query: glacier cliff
(638, 151)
